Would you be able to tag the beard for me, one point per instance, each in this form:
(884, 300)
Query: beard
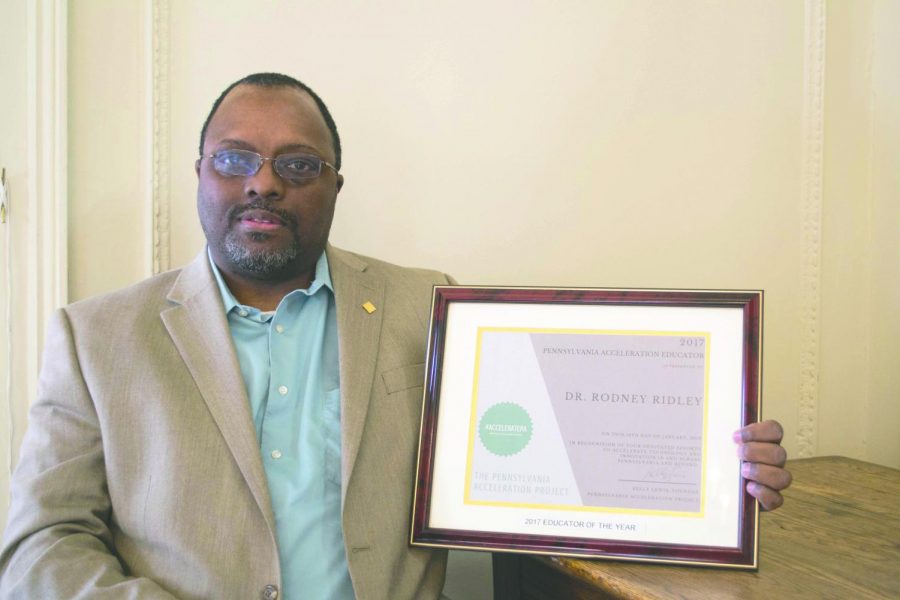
(261, 262)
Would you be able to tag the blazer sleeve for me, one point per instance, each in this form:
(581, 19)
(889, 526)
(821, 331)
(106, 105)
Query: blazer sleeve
(58, 542)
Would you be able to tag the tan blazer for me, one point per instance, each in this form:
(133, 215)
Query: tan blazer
(141, 474)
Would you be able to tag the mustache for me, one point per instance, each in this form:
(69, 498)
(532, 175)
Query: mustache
(236, 211)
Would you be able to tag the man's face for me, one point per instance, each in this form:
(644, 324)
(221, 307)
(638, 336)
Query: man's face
(262, 226)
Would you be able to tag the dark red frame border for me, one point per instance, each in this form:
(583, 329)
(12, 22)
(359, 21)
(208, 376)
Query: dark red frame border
(745, 556)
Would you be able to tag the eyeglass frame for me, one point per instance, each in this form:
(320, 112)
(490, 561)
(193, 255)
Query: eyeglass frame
(262, 159)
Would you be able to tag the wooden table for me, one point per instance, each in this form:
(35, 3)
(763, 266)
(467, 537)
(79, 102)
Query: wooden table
(837, 536)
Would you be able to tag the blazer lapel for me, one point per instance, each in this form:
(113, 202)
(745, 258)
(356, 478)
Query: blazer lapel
(199, 328)
(359, 332)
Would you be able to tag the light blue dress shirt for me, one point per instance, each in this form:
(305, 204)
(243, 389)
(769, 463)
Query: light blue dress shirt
(289, 361)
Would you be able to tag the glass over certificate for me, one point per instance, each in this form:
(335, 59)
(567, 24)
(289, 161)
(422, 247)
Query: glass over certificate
(590, 422)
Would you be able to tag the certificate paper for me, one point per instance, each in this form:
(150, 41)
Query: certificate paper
(589, 422)
(626, 425)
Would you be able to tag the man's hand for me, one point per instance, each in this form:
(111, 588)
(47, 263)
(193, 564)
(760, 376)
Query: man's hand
(759, 446)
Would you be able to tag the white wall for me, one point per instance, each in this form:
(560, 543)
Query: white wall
(110, 128)
(882, 432)
(858, 409)
(677, 144)
(615, 143)
(13, 158)
(33, 236)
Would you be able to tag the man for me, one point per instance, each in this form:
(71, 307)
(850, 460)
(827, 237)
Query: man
(245, 427)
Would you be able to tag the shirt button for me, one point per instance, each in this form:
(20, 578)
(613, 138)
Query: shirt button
(243, 312)
(279, 328)
(282, 389)
(270, 592)
(276, 454)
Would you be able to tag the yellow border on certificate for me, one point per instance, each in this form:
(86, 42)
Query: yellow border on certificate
(473, 422)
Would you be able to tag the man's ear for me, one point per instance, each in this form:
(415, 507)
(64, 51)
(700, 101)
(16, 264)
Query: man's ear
(339, 182)
(197, 167)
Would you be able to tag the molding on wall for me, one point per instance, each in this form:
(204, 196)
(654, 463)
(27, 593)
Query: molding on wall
(160, 192)
(38, 220)
(48, 156)
(813, 149)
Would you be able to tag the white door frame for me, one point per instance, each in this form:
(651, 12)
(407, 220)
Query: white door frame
(35, 234)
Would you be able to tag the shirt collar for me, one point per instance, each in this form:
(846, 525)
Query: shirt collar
(322, 278)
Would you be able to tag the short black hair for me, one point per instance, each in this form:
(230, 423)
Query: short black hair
(279, 80)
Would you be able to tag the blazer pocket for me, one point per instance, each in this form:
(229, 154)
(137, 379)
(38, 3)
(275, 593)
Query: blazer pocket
(404, 378)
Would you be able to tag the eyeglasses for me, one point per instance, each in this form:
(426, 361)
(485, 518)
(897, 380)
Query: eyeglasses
(245, 163)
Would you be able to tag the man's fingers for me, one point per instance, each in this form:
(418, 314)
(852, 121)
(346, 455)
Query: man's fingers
(763, 452)
(766, 431)
(768, 498)
(774, 478)
(759, 446)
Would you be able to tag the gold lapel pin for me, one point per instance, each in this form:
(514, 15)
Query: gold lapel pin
(369, 307)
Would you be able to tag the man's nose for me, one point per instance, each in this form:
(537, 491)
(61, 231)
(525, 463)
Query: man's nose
(266, 183)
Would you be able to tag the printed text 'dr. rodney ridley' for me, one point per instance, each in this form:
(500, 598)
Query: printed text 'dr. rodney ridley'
(625, 398)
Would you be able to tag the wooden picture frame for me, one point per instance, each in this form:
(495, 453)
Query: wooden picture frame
(590, 422)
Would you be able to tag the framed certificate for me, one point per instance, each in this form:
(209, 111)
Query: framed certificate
(590, 422)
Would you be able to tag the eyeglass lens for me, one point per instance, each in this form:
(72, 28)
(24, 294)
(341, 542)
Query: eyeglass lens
(244, 163)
